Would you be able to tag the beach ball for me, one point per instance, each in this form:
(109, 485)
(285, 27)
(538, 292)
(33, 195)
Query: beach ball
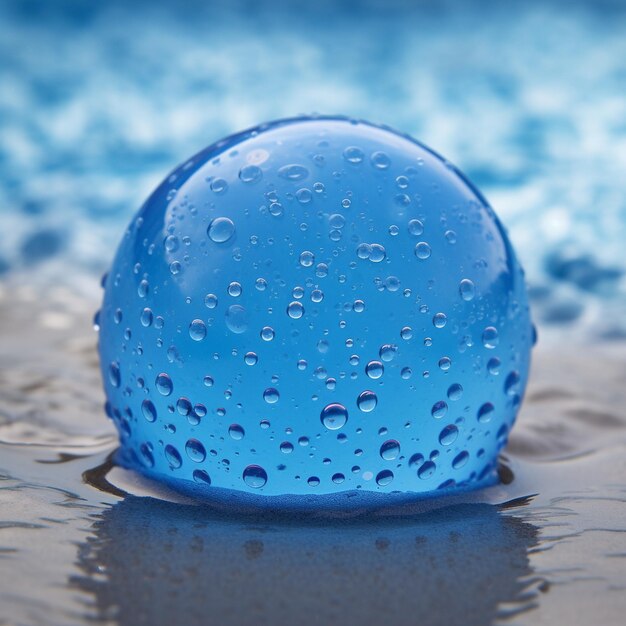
(316, 306)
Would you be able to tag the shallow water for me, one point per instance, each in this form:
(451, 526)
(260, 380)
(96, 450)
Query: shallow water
(82, 540)
(99, 101)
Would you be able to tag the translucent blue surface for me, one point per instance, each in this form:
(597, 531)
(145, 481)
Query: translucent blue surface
(315, 306)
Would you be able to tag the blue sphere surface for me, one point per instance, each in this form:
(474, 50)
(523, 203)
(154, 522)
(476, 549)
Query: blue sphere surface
(315, 306)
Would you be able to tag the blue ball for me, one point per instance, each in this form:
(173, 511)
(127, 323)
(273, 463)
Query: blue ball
(315, 306)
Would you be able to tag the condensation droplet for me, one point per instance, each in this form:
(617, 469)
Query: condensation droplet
(352, 154)
(390, 450)
(448, 435)
(334, 416)
(271, 395)
(439, 409)
(485, 412)
(221, 229)
(511, 383)
(164, 384)
(149, 411)
(460, 460)
(466, 289)
(236, 319)
(374, 369)
(251, 358)
(490, 337)
(406, 333)
(295, 310)
(201, 477)
(426, 470)
(195, 450)
(377, 253)
(384, 477)
(236, 432)
(173, 456)
(235, 289)
(267, 333)
(250, 174)
(439, 320)
(493, 366)
(219, 185)
(197, 330)
(254, 476)
(146, 317)
(380, 160)
(455, 391)
(422, 250)
(307, 258)
(387, 352)
(293, 172)
(415, 227)
(367, 401)
(114, 374)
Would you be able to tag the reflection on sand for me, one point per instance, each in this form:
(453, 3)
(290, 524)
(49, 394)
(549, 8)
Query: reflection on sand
(151, 561)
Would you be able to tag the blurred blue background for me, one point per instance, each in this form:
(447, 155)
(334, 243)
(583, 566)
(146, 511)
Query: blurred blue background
(98, 101)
